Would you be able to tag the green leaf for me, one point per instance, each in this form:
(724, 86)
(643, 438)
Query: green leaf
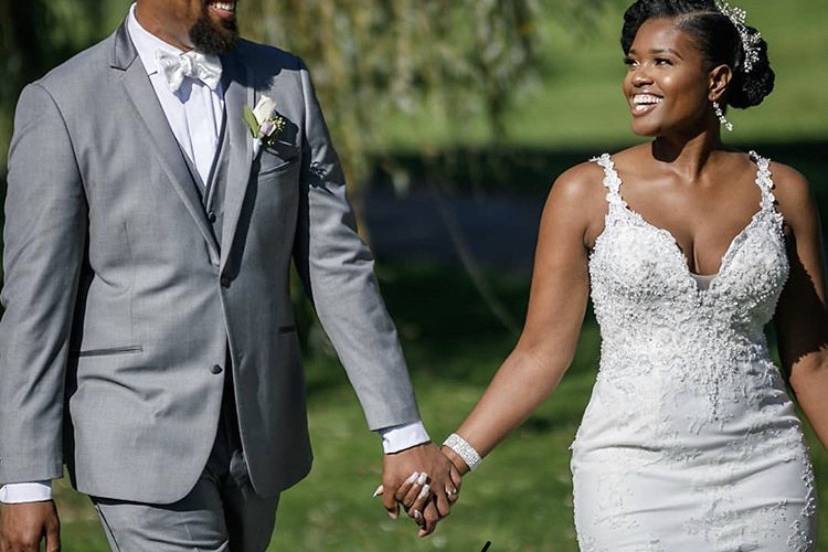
(251, 121)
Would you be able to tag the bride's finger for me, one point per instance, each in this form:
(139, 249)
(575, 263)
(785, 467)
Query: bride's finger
(414, 491)
(456, 478)
(452, 494)
(403, 489)
(420, 502)
(453, 488)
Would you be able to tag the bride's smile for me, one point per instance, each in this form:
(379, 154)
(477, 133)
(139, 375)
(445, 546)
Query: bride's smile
(667, 80)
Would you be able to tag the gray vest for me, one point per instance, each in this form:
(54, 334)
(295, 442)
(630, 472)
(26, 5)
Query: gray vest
(212, 198)
(212, 192)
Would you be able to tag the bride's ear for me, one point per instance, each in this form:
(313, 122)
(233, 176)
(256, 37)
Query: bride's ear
(718, 80)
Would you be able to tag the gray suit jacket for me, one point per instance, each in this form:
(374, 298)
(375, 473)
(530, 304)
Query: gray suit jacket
(120, 302)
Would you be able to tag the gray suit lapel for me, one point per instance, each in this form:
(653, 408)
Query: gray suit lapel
(148, 111)
(238, 93)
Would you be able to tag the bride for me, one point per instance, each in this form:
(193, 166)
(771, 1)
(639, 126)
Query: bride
(688, 249)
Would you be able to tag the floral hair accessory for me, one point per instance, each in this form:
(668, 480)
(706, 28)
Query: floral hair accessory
(750, 41)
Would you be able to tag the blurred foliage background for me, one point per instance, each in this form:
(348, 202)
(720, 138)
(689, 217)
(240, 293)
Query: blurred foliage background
(443, 111)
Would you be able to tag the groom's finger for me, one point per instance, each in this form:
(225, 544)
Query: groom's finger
(430, 517)
(393, 509)
(390, 505)
(441, 500)
(53, 537)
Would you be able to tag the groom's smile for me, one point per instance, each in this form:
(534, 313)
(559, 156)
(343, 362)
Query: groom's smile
(215, 31)
(206, 25)
(222, 9)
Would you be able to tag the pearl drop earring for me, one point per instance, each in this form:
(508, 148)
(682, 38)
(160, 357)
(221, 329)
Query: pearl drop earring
(717, 109)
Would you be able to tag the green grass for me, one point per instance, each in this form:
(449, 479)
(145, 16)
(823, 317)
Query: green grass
(520, 499)
(577, 100)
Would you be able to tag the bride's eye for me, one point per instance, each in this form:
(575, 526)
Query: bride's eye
(629, 62)
(663, 61)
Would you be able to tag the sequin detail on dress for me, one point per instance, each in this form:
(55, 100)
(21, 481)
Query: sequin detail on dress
(690, 441)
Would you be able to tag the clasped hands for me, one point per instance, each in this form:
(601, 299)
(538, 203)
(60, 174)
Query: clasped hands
(422, 481)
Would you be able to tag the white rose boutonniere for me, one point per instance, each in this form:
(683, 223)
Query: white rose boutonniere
(264, 123)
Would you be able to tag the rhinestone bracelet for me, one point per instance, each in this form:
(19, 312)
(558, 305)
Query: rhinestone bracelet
(464, 450)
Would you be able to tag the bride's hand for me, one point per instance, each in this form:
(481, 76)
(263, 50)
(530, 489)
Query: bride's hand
(460, 466)
(427, 498)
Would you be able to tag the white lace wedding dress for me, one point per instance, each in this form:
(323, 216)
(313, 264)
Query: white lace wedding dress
(690, 442)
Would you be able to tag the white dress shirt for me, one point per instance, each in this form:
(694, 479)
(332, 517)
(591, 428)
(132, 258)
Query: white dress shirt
(195, 114)
(194, 111)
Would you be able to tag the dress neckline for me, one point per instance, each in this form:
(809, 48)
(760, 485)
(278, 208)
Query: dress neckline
(704, 281)
(764, 179)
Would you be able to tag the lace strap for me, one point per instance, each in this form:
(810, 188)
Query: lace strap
(764, 179)
(611, 182)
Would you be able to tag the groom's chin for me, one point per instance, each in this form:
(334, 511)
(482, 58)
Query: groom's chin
(211, 37)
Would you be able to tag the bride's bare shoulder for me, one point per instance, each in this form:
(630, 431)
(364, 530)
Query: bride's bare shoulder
(582, 182)
(794, 195)
(582, 185)
(577, 201)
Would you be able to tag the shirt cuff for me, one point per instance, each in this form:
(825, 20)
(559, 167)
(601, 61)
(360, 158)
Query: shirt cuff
(401, 437)
(19, 493)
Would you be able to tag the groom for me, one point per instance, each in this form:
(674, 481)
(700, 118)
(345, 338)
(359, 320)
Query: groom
(148, 340)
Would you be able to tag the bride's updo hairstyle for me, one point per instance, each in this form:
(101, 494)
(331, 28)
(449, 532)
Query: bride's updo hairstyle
(718, 39)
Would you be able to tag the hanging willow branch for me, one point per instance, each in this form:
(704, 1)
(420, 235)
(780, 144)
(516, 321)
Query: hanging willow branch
(372, 59)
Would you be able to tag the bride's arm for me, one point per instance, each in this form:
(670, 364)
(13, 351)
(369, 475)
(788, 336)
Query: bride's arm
(801, 317)
(557, 303)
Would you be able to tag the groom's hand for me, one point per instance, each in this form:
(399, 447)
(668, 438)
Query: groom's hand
(23, 526)
(398, 487)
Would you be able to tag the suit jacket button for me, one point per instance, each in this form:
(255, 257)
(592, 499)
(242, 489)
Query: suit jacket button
(211, 216)
(225, 281)
(216, 369)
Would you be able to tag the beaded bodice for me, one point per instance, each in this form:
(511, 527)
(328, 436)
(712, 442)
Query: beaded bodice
(649, 305)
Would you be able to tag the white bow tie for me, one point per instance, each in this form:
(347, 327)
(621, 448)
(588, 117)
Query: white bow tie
(176, 67)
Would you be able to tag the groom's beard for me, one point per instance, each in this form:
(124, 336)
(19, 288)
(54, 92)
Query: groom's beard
(209, 40)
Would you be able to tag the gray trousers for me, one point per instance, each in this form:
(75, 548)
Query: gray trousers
(221, 513)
